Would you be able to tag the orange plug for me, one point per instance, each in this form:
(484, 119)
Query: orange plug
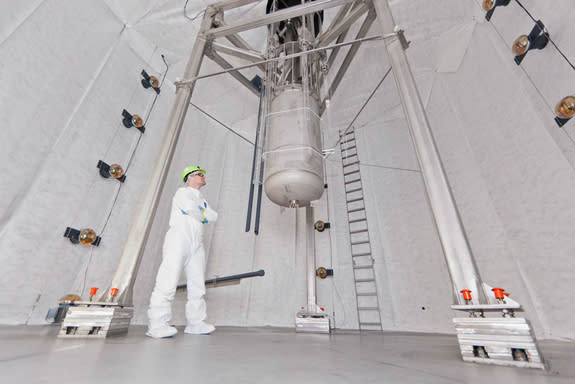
(466, 294)
(498, 293)
(93, 291)
(114, 291)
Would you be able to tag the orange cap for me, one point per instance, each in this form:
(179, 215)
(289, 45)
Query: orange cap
(114, 291)
(498, 293)
(466, 294)
(93, 291)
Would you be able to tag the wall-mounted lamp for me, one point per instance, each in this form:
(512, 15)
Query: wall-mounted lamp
(150, 81)
(114, 170)
(490, 5)
(537, 39)
(85, 236)
(565, 110)
(133, 121)
(321, 226)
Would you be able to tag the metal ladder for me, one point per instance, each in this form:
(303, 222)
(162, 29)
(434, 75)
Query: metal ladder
(363, 273)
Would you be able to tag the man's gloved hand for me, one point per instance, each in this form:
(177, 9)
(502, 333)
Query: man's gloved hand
(203, 211)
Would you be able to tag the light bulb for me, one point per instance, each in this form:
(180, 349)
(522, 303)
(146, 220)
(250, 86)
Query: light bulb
(488, 5)
(87, 236)
(565, 109)
(154, 82)
(116, 171)
(137, 121)
(520, 45)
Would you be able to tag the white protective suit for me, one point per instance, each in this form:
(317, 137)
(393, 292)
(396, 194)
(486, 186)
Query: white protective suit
(183, 248)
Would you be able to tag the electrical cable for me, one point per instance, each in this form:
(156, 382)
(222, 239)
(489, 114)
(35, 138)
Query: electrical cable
(191, 18)
(119, 187)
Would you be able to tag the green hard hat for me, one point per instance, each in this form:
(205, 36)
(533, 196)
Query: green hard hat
(191, 169)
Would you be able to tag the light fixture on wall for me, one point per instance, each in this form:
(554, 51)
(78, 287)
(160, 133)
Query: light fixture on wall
(565, 110)
(86, 236)
(490, 5)
(133, 121)
(537, 39)
(114, 170)
(150, 81)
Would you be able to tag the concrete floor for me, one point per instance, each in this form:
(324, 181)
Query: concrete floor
(262, 355)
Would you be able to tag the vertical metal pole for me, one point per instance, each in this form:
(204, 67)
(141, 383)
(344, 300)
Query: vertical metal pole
(136, 241)
(255, 157)
(310, 257)
(462, 269)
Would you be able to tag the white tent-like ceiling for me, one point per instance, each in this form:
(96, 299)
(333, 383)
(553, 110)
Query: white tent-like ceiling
(69, 68)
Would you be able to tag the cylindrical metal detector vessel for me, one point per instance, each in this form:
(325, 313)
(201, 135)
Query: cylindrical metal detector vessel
(294, 162)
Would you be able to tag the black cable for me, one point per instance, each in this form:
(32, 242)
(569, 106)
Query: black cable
(135, 148)
(551, 40)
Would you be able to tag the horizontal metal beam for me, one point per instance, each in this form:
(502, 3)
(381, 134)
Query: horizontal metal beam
(214, 56)
(253, 56)
(274, 17)
(239, 42)
(186, 82)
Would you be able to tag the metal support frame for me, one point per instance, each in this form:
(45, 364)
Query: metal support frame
(214, 56)
(500, 336)
(497, 335)
(312, 319)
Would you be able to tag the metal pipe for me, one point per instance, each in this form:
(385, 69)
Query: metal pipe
(462, 269)
(126, 271)
(255, 157)
(229, 278)
(335, 30)
(310, 260)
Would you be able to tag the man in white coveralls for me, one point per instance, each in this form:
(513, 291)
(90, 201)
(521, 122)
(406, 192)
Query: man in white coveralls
(183, 248)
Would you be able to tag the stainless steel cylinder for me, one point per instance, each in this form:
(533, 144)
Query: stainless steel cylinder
(294, 162)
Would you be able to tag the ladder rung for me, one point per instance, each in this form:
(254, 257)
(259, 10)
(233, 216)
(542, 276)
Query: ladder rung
(358, 231)
(357, 220)
(370, 324)
(352, 181)
(360, 242)
(364, 280)
(347, 141)
(349, 148)
(351, 172)
(353, 190)
(354, 200)
(368, 308)
(367, 294)
(356, 210)
(348, 156)
(361, 254)
(367, 266)
(346, 134)
(352, 163)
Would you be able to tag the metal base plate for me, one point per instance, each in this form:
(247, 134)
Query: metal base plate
(312, 322)
(96, 321)
(499, 341)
